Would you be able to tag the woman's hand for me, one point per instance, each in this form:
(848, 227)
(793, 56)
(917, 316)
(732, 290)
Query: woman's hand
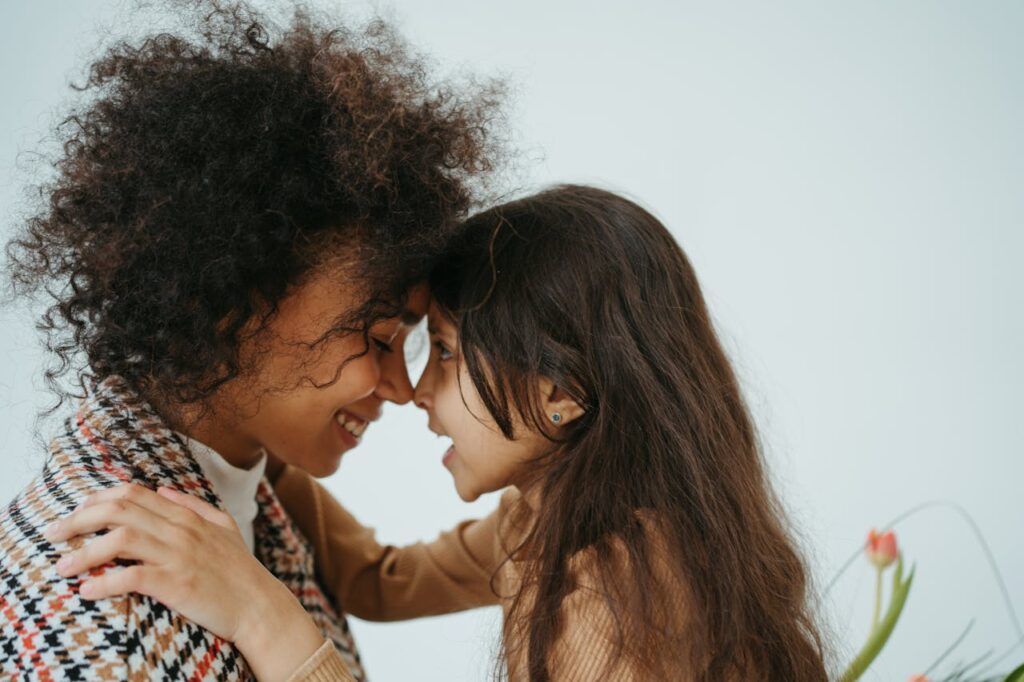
(192, 558)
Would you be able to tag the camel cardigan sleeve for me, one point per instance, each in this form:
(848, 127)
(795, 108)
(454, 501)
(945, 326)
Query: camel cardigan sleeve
(385, 583)
(325, 665)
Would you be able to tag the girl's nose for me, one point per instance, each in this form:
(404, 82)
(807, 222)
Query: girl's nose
(423, 395)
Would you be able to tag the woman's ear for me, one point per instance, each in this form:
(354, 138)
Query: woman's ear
(559, 408)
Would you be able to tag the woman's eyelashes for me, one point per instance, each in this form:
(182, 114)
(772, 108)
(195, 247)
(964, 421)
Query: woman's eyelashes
(382, 346)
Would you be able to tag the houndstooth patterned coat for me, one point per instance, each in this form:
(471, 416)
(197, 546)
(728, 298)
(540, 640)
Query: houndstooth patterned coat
(48, 633)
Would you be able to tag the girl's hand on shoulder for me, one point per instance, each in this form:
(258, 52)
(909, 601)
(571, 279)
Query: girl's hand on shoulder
(190, 557)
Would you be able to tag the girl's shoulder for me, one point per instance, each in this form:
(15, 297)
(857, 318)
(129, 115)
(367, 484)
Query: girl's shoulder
(609, 566)
(627, 614)
(647, 549)
(516, 514)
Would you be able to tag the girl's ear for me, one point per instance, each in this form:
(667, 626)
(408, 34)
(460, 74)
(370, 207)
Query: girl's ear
(559, 408)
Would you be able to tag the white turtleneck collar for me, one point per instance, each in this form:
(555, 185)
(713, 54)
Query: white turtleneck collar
(235, 487)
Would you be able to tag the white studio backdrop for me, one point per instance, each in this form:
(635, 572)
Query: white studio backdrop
(847, 179)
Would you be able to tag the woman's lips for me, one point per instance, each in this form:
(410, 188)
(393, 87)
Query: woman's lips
(449, 455)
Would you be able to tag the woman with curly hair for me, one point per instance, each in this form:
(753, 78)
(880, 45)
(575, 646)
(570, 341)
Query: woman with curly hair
(231, 247)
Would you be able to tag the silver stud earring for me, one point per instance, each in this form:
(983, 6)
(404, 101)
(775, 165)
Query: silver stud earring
(556, 417)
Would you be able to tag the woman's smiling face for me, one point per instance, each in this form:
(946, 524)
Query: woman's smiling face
(480, 459)
(308, 402)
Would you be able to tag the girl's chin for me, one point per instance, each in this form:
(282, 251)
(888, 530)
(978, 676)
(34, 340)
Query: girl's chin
(467, 496)
(465, 492)
(468, 492)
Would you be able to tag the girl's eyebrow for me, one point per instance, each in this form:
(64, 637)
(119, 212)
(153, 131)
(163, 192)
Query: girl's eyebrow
(434, 331)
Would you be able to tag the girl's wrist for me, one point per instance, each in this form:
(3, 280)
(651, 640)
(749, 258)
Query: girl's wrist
(276, 635)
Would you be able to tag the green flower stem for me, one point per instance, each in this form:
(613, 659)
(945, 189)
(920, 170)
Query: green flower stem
(880, 634)
(878, 598)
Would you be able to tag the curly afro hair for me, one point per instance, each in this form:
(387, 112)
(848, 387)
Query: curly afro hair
(211, 169)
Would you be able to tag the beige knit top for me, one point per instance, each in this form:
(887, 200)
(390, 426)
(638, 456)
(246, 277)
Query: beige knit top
(454, 572)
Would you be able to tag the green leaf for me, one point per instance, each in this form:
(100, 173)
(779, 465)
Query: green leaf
(1017, 675)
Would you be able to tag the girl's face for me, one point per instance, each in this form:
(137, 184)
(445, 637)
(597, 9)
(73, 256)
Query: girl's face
(297, 404)
(480, 459)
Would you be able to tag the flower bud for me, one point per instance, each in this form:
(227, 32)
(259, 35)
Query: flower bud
(881, 548)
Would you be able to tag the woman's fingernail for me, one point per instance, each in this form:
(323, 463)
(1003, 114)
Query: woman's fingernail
(64, 563)
(86, 590)
(50, 531)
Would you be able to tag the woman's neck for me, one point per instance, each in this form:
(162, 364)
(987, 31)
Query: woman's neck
(204, 425)
(237, 451)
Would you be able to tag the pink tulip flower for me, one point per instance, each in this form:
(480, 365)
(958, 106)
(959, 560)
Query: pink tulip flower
(881, 548)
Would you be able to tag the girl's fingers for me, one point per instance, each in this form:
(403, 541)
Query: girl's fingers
(138, 578)
(121, 543)
(117, 512)
(138, 495)
(166, 502)
(203, 509)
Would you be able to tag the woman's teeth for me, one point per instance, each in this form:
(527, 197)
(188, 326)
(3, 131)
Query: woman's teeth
(353, 426)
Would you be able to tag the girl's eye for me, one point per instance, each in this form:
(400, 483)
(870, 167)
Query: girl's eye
(383, 347)
(442, 351)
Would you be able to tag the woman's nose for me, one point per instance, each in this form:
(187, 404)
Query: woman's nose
(394, 384)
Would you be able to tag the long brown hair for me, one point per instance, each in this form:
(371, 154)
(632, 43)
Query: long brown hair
(590, 290)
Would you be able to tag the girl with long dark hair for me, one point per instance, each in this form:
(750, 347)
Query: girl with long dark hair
(574, 362)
